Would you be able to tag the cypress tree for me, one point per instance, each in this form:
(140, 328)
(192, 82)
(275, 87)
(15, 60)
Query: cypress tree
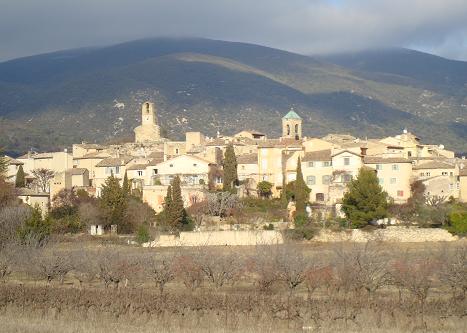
(178, 212)
(230, 170)
(300, 191)
(126, 186)
(168, 206)
(113, 201)
(365, 199)
(20, 181)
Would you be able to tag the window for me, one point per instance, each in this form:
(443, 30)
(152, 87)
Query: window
(393, 180)
(428, 174)
(171, 165)
(380, 181)
(346, 161)
(264, 164)
(409, 154)
(395, 167)
(346, 178)
(319, 196)
(311, 164)
(296, 128)
(310, 180)
(326, 180)
(400, 193)
(457, 185)
(265, 178)
(176, 151)
(451, 174)
(117, 170)
(444, 173)
(140, 173)
(154, 171)
(327, 163)
(288, 129)
(194, 164)
(243, 167)
(108, 170)
(451, 186)
(379, 167)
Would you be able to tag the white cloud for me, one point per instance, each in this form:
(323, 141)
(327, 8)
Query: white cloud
(308, 26)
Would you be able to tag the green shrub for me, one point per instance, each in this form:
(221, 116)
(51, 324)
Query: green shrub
(36, 229)
(300, 220)
(142, 234)
(457, 223)
(306, 232)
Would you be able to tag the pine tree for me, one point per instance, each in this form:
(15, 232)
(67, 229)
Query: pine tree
(365, 199)
(167, 213)
(113, 201)
(301, 191)
(20, 181)
(126, 187)
(230, 170)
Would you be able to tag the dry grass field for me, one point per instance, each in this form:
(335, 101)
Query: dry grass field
(102, 286)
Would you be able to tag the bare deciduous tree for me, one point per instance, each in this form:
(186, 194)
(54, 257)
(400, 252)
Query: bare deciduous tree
(454, 270)
(221, 203)
(187, 269)
(219, 269)
(42, 178)
(161, 271)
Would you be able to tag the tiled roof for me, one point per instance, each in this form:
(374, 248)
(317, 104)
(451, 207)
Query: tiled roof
(346, 151)
(433, 165)
(42, 155)
(27, 191)
(137, 167)
(384, 160)
(78, 171)
(13, 161)
(319, 155)
(156, 154)
(96, 154)
(114, 161)
(280, 143)
(463, 172)
(248, 159)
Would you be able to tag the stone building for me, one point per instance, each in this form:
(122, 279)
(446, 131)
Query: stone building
(149, 130)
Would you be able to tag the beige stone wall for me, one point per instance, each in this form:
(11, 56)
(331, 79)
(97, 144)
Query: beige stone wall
(270, 165)
(219, 238)
(245, 171)
(194, 139)
(463, 188)
(315, 144)
(154, 196)
(390, 234)
(318, 170)
(394, 179)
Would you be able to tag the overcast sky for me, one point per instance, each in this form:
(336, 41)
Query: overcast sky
(307, 26)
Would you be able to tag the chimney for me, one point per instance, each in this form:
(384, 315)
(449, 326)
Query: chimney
(363, 150)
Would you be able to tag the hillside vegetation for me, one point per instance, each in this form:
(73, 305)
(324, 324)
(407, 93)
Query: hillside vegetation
(50, 101)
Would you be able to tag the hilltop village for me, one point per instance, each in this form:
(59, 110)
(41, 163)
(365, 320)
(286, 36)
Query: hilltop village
(151, 162)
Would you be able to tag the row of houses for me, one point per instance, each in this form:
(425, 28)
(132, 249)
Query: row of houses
(328, 163)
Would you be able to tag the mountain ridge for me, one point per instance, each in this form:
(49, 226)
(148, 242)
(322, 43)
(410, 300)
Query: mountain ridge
(210, 85)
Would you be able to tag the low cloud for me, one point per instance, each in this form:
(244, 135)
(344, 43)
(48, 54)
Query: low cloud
(307, 26)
